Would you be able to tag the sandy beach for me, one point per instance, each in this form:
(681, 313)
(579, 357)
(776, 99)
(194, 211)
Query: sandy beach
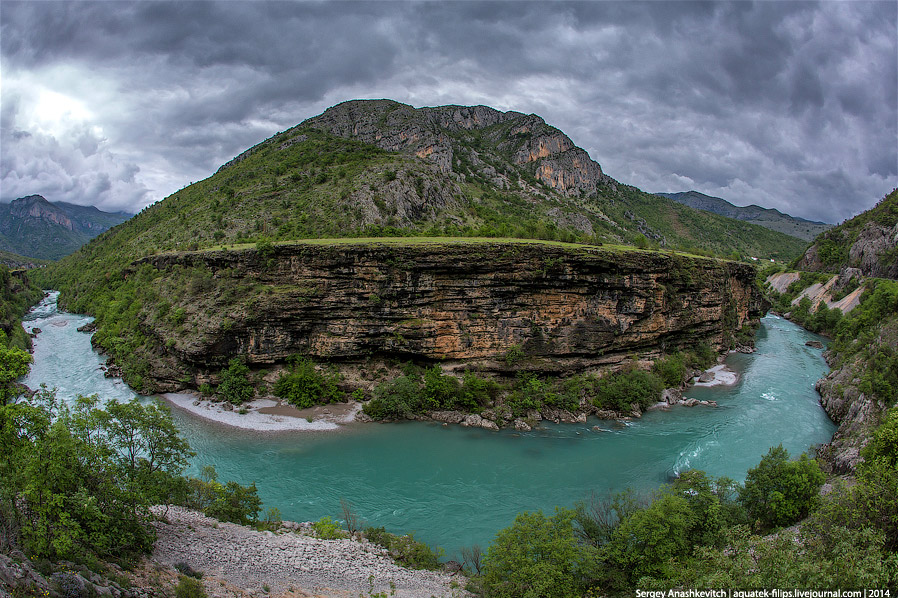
(266, 415)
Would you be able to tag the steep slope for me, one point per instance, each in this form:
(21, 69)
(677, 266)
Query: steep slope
(863, 383)
(766, 217)
(379, 168)
(33, 227)
(201, 276)
(867, 242)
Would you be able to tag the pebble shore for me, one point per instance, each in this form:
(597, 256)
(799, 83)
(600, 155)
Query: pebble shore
(285, 563)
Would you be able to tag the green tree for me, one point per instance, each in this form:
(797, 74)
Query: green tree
(646, 542)
(304, 386)
(146, 445)
(76, 483)
(779, 492)
(884, 444)
(235, 386)
(538, 557)
(14, 364)
(235, 503)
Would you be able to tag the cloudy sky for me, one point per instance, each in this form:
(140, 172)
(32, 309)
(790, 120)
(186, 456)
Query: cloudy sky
(789, 105)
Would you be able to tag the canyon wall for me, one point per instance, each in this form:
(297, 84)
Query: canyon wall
(493, 306)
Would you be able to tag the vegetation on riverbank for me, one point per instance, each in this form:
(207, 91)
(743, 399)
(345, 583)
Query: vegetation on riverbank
(868, 334)
(705, 532)
(420, 391)
(76, 482)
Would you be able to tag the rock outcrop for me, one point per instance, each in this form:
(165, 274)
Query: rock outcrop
(495, 306)
(428, 134)
(867, 242)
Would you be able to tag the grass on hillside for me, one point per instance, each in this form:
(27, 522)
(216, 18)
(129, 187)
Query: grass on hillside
(450, 241)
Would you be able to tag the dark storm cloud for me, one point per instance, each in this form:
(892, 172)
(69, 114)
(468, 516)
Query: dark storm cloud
(787, 104)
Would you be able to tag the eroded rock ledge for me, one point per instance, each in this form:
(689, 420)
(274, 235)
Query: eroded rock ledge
(496, 307)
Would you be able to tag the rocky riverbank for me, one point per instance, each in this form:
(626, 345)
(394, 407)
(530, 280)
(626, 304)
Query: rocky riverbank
(236, 562)
(268, 415)
(240, 561)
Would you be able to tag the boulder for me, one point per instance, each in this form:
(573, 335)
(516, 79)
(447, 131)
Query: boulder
(671, 396)
(522, 426)
(814, 344)
(448, 417)
(472, 420)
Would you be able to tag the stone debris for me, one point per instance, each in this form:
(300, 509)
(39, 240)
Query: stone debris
(285, 561)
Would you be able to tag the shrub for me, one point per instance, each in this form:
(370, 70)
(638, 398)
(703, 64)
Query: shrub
(235, 386)
(884, 444)
(537, 556)
(476, 392)
(265, 248)
(440, 391)
(671, 369)
(230, 502)
(327, 529)
(514, 354)
(645, 542)
(779, 492)
(189, 587)
(405, 550)
(397, 399)
(304, 386)
(235, 503)
(619, 391)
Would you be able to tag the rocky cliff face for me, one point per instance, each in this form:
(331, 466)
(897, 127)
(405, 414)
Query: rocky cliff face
(465, 305)
(868, 242)
(430, 133)
(857, 407)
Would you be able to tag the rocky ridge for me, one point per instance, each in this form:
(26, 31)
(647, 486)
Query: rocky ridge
(525, 140)
(766, 217)
(868, 242)
(36, 228)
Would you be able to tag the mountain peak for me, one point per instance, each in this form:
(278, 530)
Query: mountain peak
(445, 136)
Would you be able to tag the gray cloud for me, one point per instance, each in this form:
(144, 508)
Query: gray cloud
(788, 104)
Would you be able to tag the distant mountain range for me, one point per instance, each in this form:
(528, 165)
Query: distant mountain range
(766, 217)
(36, 228)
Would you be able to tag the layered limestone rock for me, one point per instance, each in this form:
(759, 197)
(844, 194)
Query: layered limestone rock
(494, 306)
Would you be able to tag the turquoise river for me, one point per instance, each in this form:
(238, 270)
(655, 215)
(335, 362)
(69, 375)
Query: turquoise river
(455, 486)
